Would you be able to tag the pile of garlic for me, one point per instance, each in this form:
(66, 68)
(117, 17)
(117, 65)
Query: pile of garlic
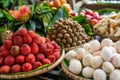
(109, 25)
(96, 60)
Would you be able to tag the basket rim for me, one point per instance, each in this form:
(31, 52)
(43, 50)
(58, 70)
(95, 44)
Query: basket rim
(71, 75)
(35, 73)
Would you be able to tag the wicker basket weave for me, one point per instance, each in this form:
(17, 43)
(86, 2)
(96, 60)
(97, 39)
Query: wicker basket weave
(31, 74)
(71, 75)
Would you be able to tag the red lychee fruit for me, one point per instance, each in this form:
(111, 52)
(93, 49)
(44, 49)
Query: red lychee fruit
(52, 58)
(18, 41)
(32, 33)
(20, 59)
(25, 49)
(10, 60)
(46, 61)
(1, 61)
(36, 64)
(7, 44)
(22, 31)
(50, 46)
(47, 40)
(57, 55)
(56, 46)
(26, 67)
(48, 52)
(27, 39)
(5, 53)
(5, 69)
(40, 57)
(56, 50)
(15, 68)
(42, 48)
(15, 50)
(2, 48)
(43, 39)
(14, 35)
(34, 48)
(30, 58)
(37, 39)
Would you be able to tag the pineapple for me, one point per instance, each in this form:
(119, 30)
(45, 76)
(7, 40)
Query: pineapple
(6, 35)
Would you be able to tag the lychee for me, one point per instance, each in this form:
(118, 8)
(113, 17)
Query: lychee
(25, 49)
(1, 61)
(34, 48)
(30, 58)
(56, 46)
(10, 60)
(57, 55)
(48, 52)
(52, 58)
(32, 33)
(46, 61)
(22, 32)
(20, 59)
(15, 68)
(27, 39)
(2, 48)
(8, 44)
(15, 50)
(26, 67)
(5, 53)
(18, 41)
(50, 46)
(56, 50)
(36, 64)
(40, 57)
(42, 48)
(47, 40)
(5, 69)
(37, 39)
(14, 35)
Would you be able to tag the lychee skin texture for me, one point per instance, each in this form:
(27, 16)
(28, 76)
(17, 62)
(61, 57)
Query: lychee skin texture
(7, 44)
(15, 50)
(18, 41)
(1, 61)
(20, 59)
(42, 48)
(47, 40)
(46, 61)
(48, 52)
(25, 49)
(37, 39)
(5, 53)
(22, 32)
(26, 67)
(57, 55)
(13, 36)
(50, 46)
(56, 46)
(40, 57)
(32, 33)
(52, 58)
(5, 69)
(30, 58)
(2, 48)
(15, 68)
(36, 64)
(27, 39)
(34, 48)
(10, 60)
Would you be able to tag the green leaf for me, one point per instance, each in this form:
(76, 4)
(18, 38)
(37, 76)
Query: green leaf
(88, 29)
(79, 18)
(66, 63)
(32, 8)
(1, 14)
(61, 13)
(8, 16)
(33, 25)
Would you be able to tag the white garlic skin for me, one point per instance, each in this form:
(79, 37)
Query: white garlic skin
(115, 75)
(70, 55)
(106, 42)
(116, 60)
(117, 45)
(80, 53)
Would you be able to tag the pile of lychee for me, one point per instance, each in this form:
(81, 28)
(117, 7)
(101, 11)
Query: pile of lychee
(26, 51)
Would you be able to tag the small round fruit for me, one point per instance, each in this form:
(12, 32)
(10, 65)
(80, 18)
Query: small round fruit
(26, 67)
(15, 50)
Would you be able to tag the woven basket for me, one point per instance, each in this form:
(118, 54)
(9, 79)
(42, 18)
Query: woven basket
(71, 48)
(71, 75)
(31, 74)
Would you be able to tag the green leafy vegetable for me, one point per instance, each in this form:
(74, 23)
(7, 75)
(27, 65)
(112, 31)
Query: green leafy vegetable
(88, 29)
